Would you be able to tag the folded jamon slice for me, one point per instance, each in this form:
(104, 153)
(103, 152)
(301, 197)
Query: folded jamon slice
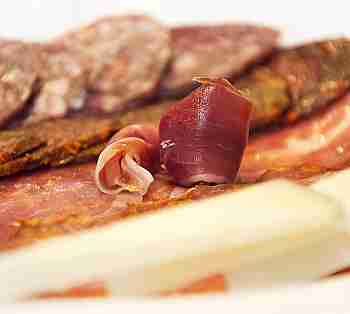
(223, 50)
(298, 81)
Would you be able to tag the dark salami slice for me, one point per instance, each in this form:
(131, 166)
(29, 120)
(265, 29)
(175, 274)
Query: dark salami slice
(63, 83)
(17, 78)
(218, 51)
(125, 55)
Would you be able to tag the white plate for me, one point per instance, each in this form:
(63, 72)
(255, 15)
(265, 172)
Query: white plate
(298, 20)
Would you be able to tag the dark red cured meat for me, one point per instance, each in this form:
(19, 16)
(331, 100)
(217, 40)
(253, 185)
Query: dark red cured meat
(125, 55)
(224, 50)
(204, 135)
(318, 144)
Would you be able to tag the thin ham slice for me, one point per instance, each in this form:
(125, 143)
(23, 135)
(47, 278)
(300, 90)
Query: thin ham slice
(316, 145)
(64, 200)
(125, 165)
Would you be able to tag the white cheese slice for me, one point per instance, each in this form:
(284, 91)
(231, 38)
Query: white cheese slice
(338, 186)
(167, 249)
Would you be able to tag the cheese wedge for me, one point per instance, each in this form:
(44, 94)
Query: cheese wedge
(167, 249)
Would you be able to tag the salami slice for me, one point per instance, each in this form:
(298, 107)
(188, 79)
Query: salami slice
(17, 78)
(216, 50)
(125, 55)
(63, 83)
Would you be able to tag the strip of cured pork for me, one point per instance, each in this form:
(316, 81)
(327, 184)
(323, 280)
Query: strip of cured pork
(313, 146)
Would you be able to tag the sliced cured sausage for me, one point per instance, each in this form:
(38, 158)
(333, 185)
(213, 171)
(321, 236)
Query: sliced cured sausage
(224, 50)
(125, 55)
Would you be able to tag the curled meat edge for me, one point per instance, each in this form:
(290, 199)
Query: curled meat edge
(127, 162)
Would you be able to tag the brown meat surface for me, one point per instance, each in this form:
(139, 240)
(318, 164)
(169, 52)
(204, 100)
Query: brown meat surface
(62, 141)
(223, 50)
(298, 81)
(124, 55)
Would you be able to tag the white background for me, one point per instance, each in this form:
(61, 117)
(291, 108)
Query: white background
(298, 20)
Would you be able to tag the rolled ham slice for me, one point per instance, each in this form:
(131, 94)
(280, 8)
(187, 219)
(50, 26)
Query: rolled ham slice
(127, 161)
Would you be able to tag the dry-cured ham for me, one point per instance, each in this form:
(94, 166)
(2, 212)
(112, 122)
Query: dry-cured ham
(127, 162)
(64, 200)
(310, 147)
(224, 50)
(204, 135)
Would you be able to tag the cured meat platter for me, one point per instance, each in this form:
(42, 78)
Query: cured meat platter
(174, 160)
